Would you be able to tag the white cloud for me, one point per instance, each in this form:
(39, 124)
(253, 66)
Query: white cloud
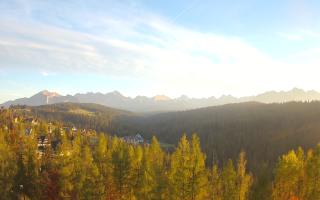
(47, 73)
(44, 73)
(290, 36)
(177, 59)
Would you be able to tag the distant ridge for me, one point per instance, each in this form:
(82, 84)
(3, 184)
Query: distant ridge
(160, 103)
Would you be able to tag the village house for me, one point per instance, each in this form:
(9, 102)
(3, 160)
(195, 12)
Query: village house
(31, 120)
(16, 120)
(28, 131)
(50, 127)
(74, 129)
(43, 142)
(137, 139)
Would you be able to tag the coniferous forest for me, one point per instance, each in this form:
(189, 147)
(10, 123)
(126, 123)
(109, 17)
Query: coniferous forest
(45, 160)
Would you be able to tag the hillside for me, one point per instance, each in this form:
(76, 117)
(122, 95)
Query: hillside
(50, 160)
(264, 131)
(82, 115)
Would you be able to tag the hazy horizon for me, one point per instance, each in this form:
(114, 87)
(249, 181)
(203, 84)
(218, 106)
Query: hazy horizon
(193, 48)
(136, 94)
(151, 96)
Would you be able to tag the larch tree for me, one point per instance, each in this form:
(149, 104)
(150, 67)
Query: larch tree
(8, 167)
(122, 169)
(20, 179)
(102, 157)
(312, 183)
(215, 184)
(32, 169)
(229, 178)
(244, 180)
(156, 171)
(179, 174)
(188, 173)
(90, 188)
(287, 177)
(70, 170)
(198, 178)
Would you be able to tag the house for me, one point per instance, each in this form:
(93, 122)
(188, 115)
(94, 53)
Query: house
(55, 144)
(31, 121)
(74, 129)
(50, 127)
(16, 120)
(28, 131)
(137, 139)
(43, 142)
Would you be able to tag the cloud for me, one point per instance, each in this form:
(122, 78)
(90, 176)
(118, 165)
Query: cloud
(148, 44)
(44, 73)
(131, 42)
(288, 36)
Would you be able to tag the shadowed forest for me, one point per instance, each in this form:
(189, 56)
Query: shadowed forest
(263, 131)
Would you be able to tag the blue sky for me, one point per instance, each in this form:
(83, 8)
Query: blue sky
(199, 48)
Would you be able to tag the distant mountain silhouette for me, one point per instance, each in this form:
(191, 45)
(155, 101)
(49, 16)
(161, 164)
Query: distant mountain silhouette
(41, 98)
(161, 103)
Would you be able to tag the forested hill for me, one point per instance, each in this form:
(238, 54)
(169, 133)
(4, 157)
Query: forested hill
(264, 131)
(82, 115)
(41, 160)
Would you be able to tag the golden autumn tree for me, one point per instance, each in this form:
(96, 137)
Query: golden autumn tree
(287, 177)
(187, 173)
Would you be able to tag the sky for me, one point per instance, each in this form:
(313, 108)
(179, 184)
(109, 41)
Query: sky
(198, 48)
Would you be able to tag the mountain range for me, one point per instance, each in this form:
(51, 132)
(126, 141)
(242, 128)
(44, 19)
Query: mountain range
(161, 103)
